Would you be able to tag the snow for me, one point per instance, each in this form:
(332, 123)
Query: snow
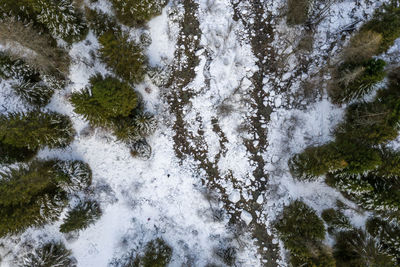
(246, 217)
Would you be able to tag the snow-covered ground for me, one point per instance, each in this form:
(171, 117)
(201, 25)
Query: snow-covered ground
(164, 196)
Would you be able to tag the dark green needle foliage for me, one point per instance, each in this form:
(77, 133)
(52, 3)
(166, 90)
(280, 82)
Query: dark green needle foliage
(157, 253)
(29, 85)
(302, 233)
(388, 234)
(137, 12)
(51, 254)
(335, 220)
(10, 154)
(356, 248)
(100, 22)
(36, 193)
(81, 216)
(104, 100)
(386, 21)
(34, 130)
(357, 80)
(122, 56)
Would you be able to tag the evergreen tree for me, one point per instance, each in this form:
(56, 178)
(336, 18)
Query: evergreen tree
(10, 154)
(137, 12)
(386, 21)
(301, 231)
(157, 253)
(316, 161)
(35, 129)
(33, 194)
(81, 216)
(357, 80)
(356, 248)
(106, 98)
(60, 18)
(122, 56)
(335, 220)
(29, 84)
(388, 234)
(51, 254)
(100, 22)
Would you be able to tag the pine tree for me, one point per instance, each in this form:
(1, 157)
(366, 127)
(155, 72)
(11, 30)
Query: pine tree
(335, 220)
(137, 12)
(61, 19)
(51, 254)
(105, 99)
(388, 234)
(100, 22)
(386, 21)
(10, 154)
(122, 56)
(81, 216)
(357, 248)
(316, 161)
(29, 84)
(34, 194)
(357, 80)
(301, 231)
(157, 253)
(35, 129)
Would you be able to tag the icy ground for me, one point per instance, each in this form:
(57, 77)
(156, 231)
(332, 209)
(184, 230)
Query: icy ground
(232, 109)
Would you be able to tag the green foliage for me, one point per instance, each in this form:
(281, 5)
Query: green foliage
(60, 18)
(388, 234)
(335, 220)
(357, 80)
(157, 253)
(81, 216)
(355, 248)
(50, 254)
(122, 56)
(29, 82)
(137, 12)
(105, 99)
(101, 22)
(10, 154)
(301, 231)
(386, 21)
(33, 194)
(316, 161)
(35, 130)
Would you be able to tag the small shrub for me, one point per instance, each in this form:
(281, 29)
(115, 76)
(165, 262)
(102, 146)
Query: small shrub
(105, 99)
(386, 21)
(81, 216)
(298, 11)
(301, 230)
(122, 56)
(137, 12)
(35, 130)
(157, 253)
(50, 254)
